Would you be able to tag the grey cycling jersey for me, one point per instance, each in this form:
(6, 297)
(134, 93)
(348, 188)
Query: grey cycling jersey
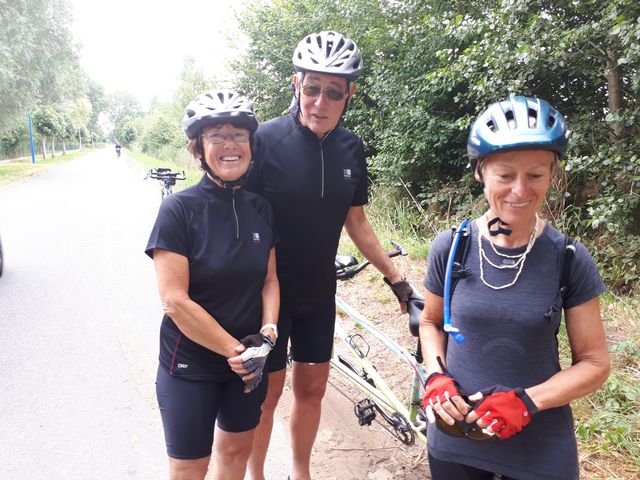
(510, 342)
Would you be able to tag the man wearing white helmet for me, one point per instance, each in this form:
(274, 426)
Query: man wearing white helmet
(313, 172)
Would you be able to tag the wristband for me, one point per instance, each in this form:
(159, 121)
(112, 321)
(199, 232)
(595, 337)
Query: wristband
(526, 399)
(272, 326)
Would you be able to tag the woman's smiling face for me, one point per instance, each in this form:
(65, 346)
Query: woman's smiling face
(230, 159)
(516, 183)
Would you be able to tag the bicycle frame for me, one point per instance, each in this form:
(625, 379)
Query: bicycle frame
(408, 421)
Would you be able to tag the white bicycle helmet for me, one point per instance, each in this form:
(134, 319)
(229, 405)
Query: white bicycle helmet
(216, 107)
(330, 53)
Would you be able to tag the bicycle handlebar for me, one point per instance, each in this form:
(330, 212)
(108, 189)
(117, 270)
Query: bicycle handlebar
(348, 267)
(161, 173)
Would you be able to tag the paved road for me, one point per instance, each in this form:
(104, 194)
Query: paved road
(79, 317)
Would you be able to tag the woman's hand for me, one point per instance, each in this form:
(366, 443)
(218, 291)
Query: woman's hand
(501, 410)
(442, 397)
(252, 360)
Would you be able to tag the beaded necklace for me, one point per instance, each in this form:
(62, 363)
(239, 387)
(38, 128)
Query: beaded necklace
(519, 263)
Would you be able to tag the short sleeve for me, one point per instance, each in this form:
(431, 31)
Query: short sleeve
(361, 195)
(170, 231)
(437, 262)
(585, 281)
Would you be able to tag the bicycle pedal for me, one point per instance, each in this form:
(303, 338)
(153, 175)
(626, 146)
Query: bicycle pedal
(365, 412)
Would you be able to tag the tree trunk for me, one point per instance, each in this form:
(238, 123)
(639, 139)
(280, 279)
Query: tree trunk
(53, 147)
(64, 147)
(614, 79)
(44, 147)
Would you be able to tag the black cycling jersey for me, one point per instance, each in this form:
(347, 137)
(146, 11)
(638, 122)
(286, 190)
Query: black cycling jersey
(311, 185)
(227, 237)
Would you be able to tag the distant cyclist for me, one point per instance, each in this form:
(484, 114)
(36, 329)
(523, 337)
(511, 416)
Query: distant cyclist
(213, 249)
(499, 396)
(118, 148)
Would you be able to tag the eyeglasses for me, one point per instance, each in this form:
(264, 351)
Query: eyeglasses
(463, 429)
(217, 138)
(331, 93)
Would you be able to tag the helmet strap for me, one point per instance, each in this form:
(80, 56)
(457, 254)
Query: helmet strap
(346, 102)
(229, 184)
(500, 230)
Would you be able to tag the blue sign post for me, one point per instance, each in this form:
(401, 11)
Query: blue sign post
(33, 145)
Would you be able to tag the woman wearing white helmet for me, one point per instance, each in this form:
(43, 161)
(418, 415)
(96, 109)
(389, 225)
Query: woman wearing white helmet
(497, 394)
(313, 172)
(213, 249)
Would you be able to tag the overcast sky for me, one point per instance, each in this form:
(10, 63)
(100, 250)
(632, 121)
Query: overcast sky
(139, 45)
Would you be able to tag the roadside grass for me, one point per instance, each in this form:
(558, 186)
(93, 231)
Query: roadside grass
(608, 420)
(20, 169)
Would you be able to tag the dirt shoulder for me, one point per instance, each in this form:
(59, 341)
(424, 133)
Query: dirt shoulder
(344, 450)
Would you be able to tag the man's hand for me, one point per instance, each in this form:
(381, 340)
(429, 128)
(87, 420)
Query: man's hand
(402, 290)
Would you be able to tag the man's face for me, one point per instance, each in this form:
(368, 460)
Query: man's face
(318, 111)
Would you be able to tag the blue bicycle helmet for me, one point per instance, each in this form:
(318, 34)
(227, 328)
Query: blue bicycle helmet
(517, 123)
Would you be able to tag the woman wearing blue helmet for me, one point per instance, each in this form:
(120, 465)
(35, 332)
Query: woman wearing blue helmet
(499, 398)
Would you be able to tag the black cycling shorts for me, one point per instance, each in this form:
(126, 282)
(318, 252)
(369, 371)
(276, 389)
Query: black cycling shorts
(190, 410)
(310, 327)
(442, 470)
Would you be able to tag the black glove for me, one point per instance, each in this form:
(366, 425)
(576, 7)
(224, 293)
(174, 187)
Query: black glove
(401, 289)
(254, 357)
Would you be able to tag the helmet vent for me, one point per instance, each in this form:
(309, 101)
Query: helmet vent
(551, 121)
(533, 118)
(511, 121)
(492, 126)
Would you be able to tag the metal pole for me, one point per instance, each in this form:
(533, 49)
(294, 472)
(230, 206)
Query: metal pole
(33, 145)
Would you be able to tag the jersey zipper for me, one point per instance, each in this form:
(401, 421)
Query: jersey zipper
(235, 214)
(322, 163)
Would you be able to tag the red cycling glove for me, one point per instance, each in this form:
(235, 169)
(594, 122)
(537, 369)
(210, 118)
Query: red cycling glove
(439, 387)
(507, 411)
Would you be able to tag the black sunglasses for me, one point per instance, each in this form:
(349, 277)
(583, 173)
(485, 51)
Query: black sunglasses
(315, 90)
(463, 429)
